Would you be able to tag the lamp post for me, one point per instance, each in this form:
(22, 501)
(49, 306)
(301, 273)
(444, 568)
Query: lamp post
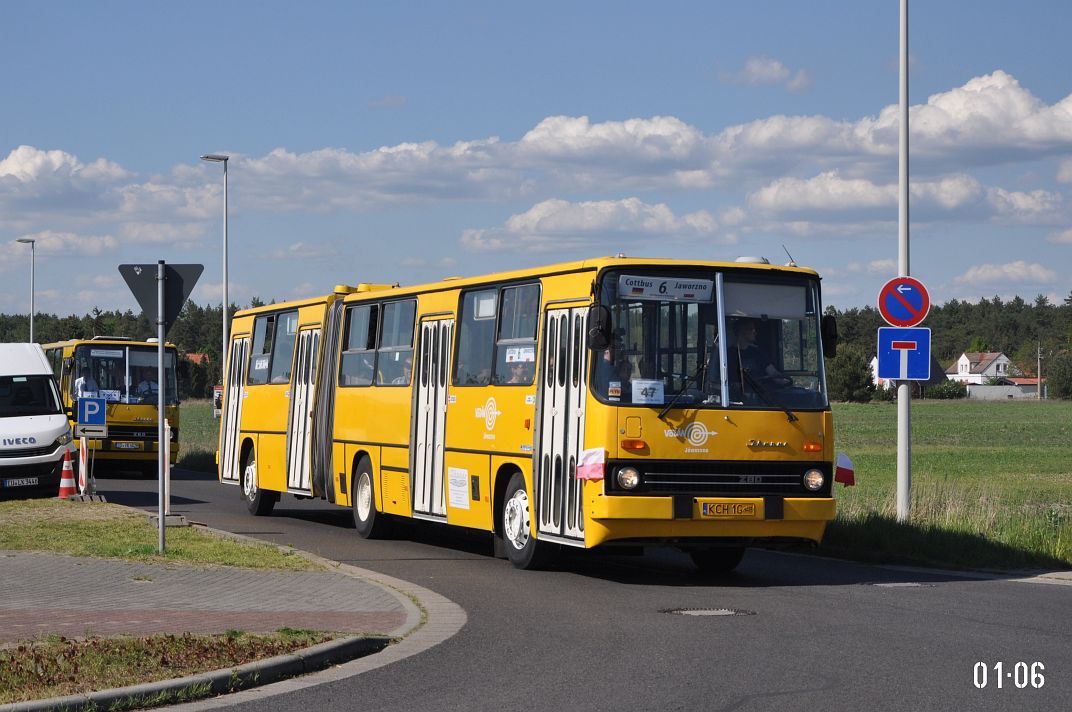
(220, 158)
(33, 268)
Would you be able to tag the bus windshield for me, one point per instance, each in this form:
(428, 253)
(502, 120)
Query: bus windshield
(122, 374)
(28, 395)
(679, 338)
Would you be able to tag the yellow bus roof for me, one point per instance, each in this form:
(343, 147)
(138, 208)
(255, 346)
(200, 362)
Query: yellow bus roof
(105, 341)
(592, 264)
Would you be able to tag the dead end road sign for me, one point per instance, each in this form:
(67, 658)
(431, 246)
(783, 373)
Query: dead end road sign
(904, 301)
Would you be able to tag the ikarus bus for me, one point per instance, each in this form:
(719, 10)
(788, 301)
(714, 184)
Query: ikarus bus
(124, 373)
(609, 402)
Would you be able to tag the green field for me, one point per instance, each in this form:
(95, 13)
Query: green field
(991, 481)
(199, 436)
(991, 484)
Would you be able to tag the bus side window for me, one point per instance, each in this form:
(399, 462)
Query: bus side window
(260, 356)
(358, 364)
(515, 348)
(476, 339)
(286, 334)
(395, 354)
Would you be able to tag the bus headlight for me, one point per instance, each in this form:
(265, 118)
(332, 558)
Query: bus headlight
(628, 478)
(814, 480)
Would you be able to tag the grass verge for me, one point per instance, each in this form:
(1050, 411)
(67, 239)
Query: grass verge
(110, 531)
(57, 666)
(991, 485)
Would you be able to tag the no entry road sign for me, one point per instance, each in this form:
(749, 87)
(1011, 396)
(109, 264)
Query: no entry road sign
(904, 354)
(903, 301)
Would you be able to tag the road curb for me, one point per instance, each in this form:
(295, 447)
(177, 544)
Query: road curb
(218, 682)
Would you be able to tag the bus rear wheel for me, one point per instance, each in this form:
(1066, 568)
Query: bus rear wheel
(717, 560)
(369, 523)
(522, 548)
(258, 502)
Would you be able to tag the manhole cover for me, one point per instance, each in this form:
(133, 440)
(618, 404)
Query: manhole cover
(709, 612)
(903, 584)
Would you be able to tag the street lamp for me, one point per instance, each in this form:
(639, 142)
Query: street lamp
(33, 268)
(220, 158)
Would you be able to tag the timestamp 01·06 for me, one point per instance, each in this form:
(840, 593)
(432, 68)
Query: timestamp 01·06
(1019, 674)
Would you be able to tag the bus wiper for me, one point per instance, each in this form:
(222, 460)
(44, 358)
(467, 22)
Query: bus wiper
(700, 376)
(762, 392)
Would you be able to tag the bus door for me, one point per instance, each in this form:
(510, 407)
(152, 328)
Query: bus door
(231, 420)
(559, 505)
(300, 419)
(430, 417)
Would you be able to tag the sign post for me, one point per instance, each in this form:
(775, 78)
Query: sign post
(904, 354)
(162, 290)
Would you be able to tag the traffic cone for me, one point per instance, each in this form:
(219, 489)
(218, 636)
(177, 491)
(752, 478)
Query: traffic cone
(67, 486)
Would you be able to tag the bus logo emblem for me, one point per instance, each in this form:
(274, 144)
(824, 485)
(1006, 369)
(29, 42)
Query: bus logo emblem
(695, 434)
(489, 413)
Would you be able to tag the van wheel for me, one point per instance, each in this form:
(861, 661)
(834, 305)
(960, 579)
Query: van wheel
(717, 560)
(258, 502)
(369, 523)
(522, 547)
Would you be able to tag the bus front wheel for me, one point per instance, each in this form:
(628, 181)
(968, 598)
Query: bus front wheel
(258, 502)
(369, 523)
(522, 548)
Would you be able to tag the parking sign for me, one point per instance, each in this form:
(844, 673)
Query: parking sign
(92, 418)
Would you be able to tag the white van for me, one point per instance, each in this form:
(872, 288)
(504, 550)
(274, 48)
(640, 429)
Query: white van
(34, 429)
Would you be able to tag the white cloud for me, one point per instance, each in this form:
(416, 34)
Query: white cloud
(1064, 171)
(559, 225)
(305, 251)
(767, 71)
(1061, 238)
(29, 165)
(1013, 272)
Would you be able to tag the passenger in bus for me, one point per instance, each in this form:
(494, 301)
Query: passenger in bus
(407, 371)
(521, 372)
(85, 385)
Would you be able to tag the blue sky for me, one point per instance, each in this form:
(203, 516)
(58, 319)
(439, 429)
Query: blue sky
(405, 142)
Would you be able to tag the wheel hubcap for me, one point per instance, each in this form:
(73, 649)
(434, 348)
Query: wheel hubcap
(249, 480)
(516, 519)
(364, 496)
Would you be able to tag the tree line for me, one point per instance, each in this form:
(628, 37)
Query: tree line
(1015, 327)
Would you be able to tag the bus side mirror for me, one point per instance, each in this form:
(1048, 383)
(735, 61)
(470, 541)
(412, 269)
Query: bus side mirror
(598, 327)
(830, 335)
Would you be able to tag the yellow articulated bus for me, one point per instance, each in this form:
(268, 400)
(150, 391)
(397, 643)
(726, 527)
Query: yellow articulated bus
(124, 373)
(613, 401)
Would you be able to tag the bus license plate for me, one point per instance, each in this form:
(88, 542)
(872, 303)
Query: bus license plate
(126, 446)
(730, 510)
(21, 482)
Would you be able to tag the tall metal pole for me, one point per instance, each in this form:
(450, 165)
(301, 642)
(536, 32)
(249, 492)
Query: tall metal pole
(904, 388)
(160, 388)
(221, 158)
(226, 299)
(33, 271)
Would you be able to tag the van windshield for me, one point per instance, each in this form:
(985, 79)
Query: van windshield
(28, 395)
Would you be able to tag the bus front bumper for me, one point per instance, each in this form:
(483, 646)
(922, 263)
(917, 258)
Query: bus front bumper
(684, 517)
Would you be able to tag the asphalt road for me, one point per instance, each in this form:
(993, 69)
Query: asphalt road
(595, 634)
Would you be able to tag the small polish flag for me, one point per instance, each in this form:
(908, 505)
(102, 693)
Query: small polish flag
(845, 473)
(591, 463)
